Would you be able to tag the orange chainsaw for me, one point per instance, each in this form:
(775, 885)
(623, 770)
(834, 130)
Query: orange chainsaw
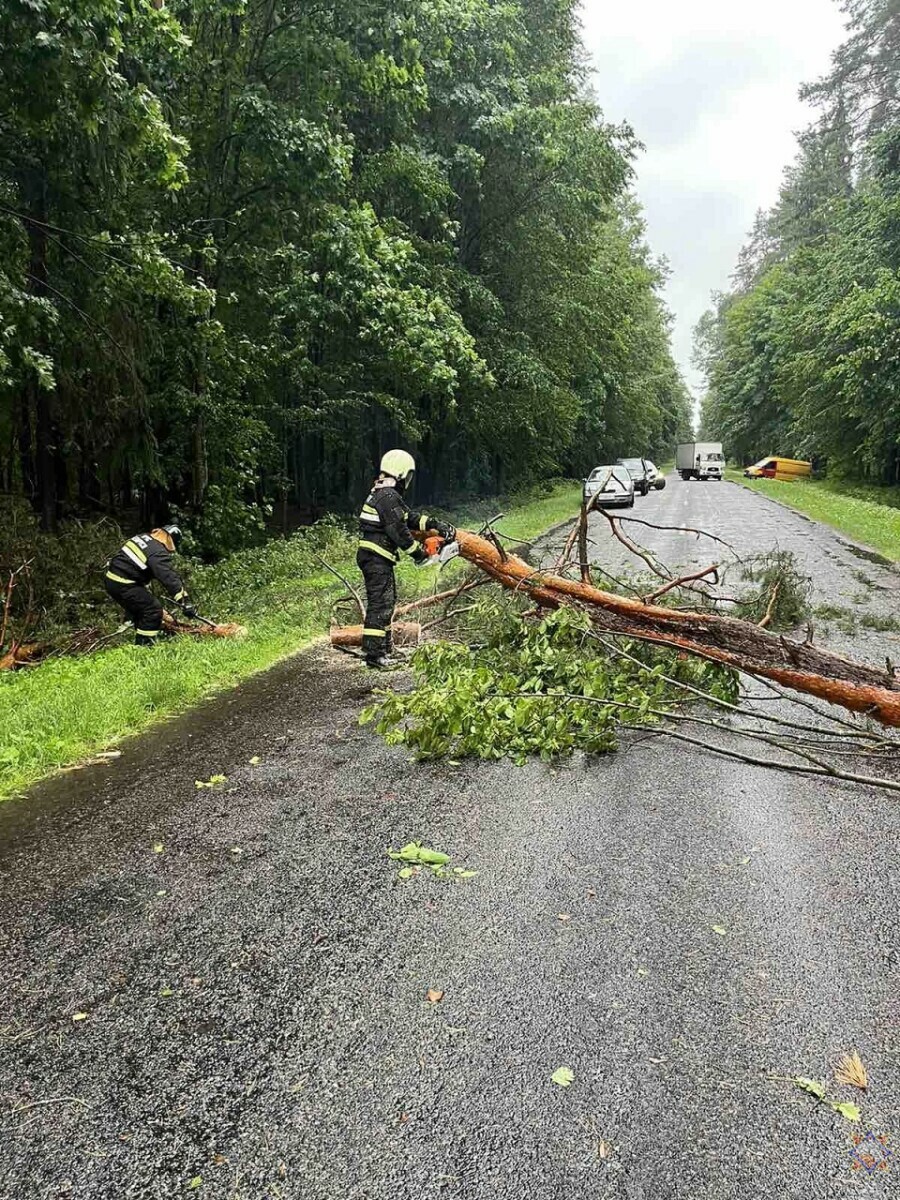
(440, 550)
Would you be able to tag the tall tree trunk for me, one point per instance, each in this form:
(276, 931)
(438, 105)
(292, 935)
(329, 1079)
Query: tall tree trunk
(26, 445)
(199, 465)
(38, 399)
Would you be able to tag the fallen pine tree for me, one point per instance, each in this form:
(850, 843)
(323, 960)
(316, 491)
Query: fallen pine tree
(799, 666)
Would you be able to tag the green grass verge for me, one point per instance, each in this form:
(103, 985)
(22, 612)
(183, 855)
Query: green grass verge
(69, 709)
(866, 514)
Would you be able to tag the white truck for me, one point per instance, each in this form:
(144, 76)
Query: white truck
(700, 460)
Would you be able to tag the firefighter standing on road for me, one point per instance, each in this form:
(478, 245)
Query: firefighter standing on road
(385, 525)
(144, 557)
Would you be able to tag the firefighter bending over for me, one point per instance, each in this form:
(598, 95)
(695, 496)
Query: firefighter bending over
(385, 525)
(145, 557)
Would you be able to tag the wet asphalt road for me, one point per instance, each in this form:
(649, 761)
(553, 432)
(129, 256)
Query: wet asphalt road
(255, 991)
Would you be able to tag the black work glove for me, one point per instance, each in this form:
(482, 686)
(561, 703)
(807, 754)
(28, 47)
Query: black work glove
(446, 530)
(188, 609)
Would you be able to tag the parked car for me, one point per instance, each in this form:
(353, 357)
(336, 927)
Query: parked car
(637, 469)
(780, 468)
(657, 481)
(610, 487)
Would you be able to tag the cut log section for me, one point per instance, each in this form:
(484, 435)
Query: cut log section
(20, 656)
(405, 633)
(229, 630)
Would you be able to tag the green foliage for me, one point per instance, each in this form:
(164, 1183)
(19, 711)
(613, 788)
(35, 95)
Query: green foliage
(783, 592)
(244, 247)
(509, 696)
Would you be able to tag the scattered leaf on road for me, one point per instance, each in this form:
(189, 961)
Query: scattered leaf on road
(642, 971)
(850, 1070)
(745, 862)
(604, 1149)
(720, 930)
(213, 781)
(850, 1112)
(196, 1182)
(166, 991)
(418, 856)
(592, 893)
(79, 1016)
(433, 857)
(158, 847)
(255, 760)
(563, 1076)
(813, 1086)
(564, 916)
(434, 996)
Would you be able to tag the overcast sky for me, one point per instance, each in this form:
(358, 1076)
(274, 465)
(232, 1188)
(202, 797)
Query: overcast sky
(710, 87)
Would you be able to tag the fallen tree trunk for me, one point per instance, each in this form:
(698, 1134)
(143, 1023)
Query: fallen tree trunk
(735, 643)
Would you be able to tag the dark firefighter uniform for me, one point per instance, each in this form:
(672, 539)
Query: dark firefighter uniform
(385, 525)
(144, 557)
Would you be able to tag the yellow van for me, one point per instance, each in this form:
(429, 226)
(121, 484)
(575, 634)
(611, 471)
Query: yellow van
(788, 469)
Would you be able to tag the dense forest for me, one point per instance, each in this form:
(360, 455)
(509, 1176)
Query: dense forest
(245, 245)
(802, 357)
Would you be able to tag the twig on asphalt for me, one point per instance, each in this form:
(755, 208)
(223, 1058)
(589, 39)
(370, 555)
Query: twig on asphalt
(20, 1108)
(684, 529)
(816, 767)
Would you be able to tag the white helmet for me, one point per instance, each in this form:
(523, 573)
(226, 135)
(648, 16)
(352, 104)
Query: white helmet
(400, 466)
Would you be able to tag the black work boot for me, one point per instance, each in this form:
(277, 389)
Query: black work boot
(384, 662)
